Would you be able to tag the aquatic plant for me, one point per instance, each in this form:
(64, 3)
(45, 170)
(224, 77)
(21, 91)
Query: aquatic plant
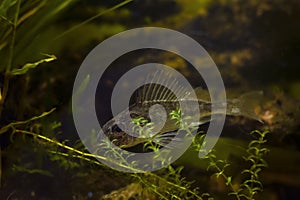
(252, 184)
(21, 22)
(167, 183)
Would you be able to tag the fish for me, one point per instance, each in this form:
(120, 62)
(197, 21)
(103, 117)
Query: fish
(124, 131)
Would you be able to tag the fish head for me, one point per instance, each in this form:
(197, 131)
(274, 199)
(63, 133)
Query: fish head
(121, 130)
(111, 128)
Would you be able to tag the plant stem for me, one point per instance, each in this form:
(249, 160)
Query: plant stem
(71, 149)
(94, 17)
(12, 44)
(10, 57)
(0, 167)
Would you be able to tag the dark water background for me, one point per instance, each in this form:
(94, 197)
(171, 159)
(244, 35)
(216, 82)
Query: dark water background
(255, 44)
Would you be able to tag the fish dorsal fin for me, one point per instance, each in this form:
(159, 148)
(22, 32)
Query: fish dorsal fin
(161, 86)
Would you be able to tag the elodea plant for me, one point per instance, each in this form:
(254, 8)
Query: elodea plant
(169, 182)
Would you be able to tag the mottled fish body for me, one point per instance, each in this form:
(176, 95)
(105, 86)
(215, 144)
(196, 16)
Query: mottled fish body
(151, 95)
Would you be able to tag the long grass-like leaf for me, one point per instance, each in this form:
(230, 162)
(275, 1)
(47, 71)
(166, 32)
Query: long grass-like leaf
(13, 124)
(29, 66)
(5, 6)
(94, 17)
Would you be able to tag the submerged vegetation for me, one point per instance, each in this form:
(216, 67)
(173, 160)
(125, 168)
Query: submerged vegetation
(167, 183)
(39, 45)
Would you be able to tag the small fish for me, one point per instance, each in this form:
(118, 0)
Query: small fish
(151, 95)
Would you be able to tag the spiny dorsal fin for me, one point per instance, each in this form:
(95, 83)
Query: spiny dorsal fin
(159, 87)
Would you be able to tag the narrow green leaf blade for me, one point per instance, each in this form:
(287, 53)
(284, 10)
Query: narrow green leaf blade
(5, 5)
(28, 66)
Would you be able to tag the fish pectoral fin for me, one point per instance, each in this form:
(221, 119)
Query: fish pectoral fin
(166, 138)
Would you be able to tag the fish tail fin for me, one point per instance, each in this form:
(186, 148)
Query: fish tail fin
(247, 105)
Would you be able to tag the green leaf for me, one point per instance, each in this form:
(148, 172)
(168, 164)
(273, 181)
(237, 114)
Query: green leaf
(13, 124)
(28, 66)
(5, 5)
(228, 180)
(31, 171)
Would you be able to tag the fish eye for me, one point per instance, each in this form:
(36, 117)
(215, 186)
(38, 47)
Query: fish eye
(116, 128)
(133, 115)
